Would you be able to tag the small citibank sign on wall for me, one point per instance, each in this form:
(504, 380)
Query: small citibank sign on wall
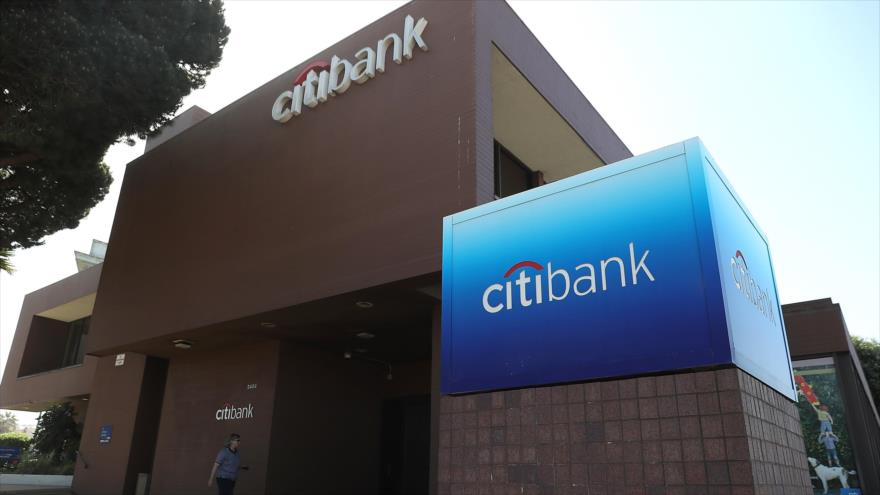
(647, 265)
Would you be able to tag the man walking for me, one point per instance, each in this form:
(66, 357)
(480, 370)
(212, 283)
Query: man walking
(226, 466)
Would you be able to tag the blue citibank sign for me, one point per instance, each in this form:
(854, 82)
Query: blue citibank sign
(647, 265)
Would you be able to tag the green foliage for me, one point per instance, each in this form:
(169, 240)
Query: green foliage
(5, 261)
(77, 76)
(868, 351)
(15, 439)
(8, 421)
(57, 435)
(32, 463)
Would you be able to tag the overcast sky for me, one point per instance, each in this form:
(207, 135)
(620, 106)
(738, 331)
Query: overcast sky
(785, 95)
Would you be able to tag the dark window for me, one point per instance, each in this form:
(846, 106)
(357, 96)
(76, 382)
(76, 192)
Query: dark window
(511, 175)
(76, 342)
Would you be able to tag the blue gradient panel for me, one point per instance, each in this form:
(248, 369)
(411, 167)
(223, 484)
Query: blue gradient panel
(754, 318)
(613, 272)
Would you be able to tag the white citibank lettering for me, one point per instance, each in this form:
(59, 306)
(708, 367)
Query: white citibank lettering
(560, 283)
(749, 288)
(321, 80)
(229, 412)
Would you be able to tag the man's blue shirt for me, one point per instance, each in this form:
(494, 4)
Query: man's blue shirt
(229, 462)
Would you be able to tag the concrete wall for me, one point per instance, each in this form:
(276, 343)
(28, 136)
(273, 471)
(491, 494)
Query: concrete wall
(348, 195)
(19, 390)
(45, 346)
(316, 425)
(326, 434)
(815, 328)
(115, 399)
(190, 436)
(497, 24)
(143, 442)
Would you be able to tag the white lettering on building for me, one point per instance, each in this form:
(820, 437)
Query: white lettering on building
(229, 412)
(336, 79)
(748, 287)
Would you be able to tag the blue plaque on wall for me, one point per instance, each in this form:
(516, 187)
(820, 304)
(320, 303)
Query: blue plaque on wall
(9, 453)
(105, 434)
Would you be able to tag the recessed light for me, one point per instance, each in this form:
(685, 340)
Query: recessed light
(364, 304)
(268, 324)
(364, 335)
(182, 344)
(360, 350)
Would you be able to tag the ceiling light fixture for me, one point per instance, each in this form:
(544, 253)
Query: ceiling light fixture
(182, 344)
(364, 304)
(349, 356)
(364, 335)
(268, 324)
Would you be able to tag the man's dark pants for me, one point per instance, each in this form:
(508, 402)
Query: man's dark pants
(225, 486)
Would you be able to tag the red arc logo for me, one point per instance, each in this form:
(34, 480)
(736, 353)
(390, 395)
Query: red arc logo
(521, 264)
(739, 254)
(316, 66)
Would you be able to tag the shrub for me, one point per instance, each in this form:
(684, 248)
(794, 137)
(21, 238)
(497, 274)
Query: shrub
(15, 439)
(33, 463)
(57, 435)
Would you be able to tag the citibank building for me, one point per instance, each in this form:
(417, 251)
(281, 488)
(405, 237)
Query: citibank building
(421, 261)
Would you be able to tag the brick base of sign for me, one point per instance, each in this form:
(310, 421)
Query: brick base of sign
(707, 432)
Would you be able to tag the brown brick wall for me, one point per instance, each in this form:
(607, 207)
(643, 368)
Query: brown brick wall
(710, 432)
(776, 446)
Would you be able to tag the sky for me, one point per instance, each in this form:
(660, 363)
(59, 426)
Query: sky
(785, 95)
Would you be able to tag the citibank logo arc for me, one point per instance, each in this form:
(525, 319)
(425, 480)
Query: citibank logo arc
(561, 283)
(748, 287)
(229, 412)
(321, 80)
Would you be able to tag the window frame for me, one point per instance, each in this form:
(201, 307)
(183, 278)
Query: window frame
(74, 349)
(532, 175)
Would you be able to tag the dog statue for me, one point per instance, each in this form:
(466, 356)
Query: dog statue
(827, 474)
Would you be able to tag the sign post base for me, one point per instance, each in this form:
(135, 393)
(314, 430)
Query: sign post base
(717, 431)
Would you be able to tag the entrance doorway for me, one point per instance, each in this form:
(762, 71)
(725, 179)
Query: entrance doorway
(406, 443)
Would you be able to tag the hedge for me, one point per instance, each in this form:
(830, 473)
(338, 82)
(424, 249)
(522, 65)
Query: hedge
(15, 439)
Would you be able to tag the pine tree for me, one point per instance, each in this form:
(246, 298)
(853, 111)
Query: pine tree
(77, 76)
